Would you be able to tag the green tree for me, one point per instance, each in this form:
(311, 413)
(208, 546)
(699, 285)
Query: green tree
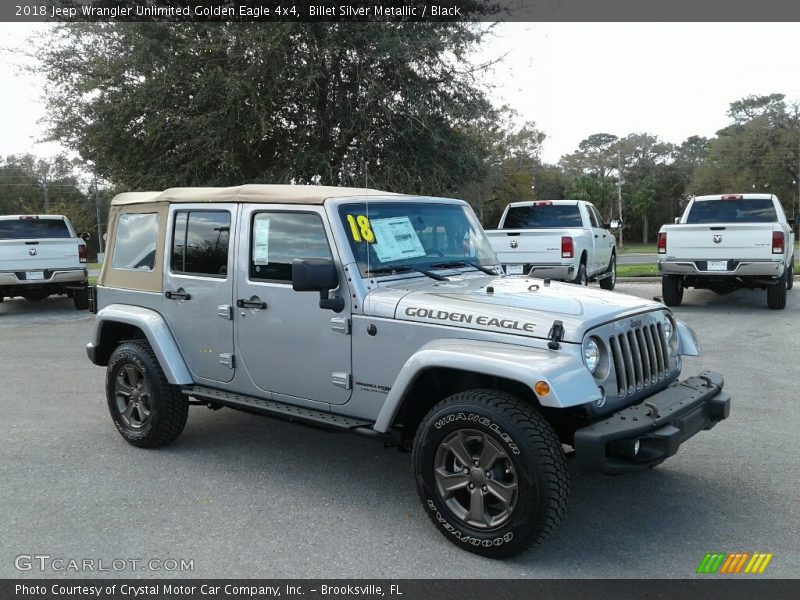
(390, 105)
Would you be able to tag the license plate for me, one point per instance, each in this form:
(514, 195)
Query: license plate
(514, 269)
(34, 275)
(717, 265)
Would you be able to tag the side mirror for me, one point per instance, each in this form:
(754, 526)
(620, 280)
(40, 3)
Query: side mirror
(317, 275)
(615, 224)
(84, 236)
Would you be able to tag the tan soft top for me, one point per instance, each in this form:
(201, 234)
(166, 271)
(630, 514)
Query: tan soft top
(269, 194)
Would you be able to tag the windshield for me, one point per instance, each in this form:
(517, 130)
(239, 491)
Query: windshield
(732, 211)
(414, 235)
(543, 215)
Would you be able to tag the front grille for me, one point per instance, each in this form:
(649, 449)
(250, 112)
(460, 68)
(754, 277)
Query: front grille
(640, 357)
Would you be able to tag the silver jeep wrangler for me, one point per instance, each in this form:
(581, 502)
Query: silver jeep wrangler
(386, 316)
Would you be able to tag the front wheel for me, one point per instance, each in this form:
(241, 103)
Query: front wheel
(146, 409)
(490, 472)
(608, 283)
(672, 290)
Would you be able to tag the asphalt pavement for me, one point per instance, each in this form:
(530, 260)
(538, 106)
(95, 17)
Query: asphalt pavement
(243, 496)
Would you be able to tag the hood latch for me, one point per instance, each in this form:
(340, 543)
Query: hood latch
(556, 335)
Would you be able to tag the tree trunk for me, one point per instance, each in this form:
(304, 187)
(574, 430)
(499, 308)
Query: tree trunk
(644, 228)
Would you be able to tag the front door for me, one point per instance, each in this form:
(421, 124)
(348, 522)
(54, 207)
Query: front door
(198, 289)
(287, 343)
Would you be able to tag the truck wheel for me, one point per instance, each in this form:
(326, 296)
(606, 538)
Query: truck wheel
(672, 290)
(490, 472)
(80, 298)
(776, 293)
(581, 278)
(608, 283)
(147, 410)
(790, 276)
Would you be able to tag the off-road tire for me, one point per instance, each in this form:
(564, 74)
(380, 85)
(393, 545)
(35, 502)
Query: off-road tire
(581, 278)
(168, 407)
(80, 299)
(608, 283)
(790, 276)
(532, 451)
(776, 293)
(672, 290)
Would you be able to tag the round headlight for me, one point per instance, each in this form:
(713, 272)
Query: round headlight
(591, 354)
(668, 328)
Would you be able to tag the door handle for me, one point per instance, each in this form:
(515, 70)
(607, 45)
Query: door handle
(596, 236)
(254, 303)
(179, 294)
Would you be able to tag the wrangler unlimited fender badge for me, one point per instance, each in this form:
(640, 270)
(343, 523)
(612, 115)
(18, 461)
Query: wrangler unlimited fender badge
(483, 320)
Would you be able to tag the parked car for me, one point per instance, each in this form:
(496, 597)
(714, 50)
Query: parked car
(383, 315)
(726, 242)
(565, 240)
(41, 255)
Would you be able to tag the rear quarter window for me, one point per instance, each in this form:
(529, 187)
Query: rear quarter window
(543, 216)
(23, 229)
(135, 242)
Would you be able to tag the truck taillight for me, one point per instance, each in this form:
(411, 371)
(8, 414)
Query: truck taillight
(567, 247)
(777, 242)
(662, 242)
(82, 252)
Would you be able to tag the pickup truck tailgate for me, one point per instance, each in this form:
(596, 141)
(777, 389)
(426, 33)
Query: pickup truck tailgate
(720, 241)
(531, 246)
(27, 255)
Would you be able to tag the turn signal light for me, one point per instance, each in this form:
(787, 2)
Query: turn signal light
(777, 242)
(542, 388)
(662, 242)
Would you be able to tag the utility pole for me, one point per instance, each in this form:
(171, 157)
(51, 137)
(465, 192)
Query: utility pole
(46, 199)
(619, 195)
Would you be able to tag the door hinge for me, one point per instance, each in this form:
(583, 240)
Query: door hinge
(225, 311)
(342, 380)
(227, 359)
(341, 324)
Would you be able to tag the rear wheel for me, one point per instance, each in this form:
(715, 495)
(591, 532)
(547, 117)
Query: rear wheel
(790, 276)
(80, 298)
(581, 278)
(776, 293)
(146, 409)
(672, 290)
(608, 283)
(490, 472)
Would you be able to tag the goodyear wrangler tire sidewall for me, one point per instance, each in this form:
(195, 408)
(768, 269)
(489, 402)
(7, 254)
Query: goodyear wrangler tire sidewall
(511, 537)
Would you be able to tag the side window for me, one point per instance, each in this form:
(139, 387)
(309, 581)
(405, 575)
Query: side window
(593, 216)
(277, 238)
(135, 242)
(599, 217)
(200, 243)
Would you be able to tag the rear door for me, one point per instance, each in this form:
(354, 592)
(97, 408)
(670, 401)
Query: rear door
(603, 241)
(198, 288)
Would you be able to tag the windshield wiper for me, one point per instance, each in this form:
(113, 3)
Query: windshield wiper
(464, 263)
(402, 268)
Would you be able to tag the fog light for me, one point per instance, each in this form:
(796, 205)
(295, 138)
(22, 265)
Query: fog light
(542, 388)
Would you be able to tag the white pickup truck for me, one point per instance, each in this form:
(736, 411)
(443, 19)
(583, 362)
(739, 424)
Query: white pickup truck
(556, 239)
(41, 255)
(726, 242)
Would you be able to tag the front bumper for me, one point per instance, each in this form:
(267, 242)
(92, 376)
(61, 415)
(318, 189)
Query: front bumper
(735, 268)
(660, 424)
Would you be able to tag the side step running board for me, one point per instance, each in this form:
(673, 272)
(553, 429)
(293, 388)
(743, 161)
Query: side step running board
(279, 409)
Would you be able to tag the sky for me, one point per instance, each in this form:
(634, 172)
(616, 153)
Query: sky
(672, 80)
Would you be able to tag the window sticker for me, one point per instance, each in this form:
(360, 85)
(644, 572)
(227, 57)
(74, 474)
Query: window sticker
(396, 239)
(360, 229)
(261, 241)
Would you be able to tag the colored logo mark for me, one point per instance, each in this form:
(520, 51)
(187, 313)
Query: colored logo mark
(736, 562)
